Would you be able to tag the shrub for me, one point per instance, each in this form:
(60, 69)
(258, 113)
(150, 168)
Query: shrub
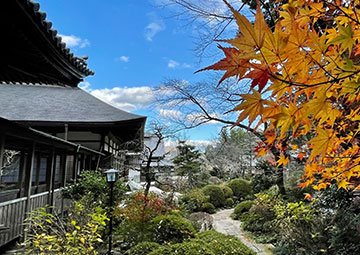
(216, 195)
(186, 248)
(241, 188)
(228, 193)
(241, 208)
(223, 244)
(143, 248)
(229, 202)
(170, 228)
(93, 184)
(80, 234)
(208, 207)
(194, 199)
(135, 219)
(261, 216)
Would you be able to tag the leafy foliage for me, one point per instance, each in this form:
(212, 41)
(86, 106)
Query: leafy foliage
(241, 208)
(194, 200)
(216, 195)
(208, 207)
(228, 193)
(187, 162)
(229, 202)
(48, 233)
(143, 248)
(307, 72)
(171, 229)
(241, 188)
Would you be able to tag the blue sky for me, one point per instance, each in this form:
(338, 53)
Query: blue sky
(132, 45)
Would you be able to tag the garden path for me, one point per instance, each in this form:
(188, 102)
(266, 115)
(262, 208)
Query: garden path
(224, 224)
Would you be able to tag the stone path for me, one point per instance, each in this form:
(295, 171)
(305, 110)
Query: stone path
(224, 224)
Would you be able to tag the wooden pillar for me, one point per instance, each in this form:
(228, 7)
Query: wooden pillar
(29, 173)
(75, 166)
(22, 170)
(28, 178)
(2, 150)
(50, 175)
(63, 178)
(38, 166)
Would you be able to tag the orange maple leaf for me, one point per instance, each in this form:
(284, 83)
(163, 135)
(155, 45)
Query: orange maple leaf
(282, 160)
(307, 196)
(233, 64)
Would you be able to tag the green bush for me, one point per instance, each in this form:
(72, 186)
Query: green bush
(241, 188)
(229, 202)
(260, 218)
(208, 208)
(186, 248)
(223, 244)
(228, 193)
(216, 195)
(241, 208)
(194, 199)
(170, 228)
(93, 184)
(143, 248)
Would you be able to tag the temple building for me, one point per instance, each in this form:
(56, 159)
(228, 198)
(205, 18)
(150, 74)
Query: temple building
(50, 129)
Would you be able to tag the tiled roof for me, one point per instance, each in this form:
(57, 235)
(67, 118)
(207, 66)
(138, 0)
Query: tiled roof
(29, 103)
(39, 17)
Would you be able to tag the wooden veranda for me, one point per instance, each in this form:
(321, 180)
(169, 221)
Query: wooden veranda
(45, 164)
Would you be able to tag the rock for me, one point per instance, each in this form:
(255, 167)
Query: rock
(203, 221)
(214, 180)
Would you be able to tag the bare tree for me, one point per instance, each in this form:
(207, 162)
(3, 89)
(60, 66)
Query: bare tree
(212, 19)
(8, 160)
(196, 104)
(158, 134)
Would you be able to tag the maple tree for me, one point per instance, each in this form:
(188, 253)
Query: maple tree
(307, 72)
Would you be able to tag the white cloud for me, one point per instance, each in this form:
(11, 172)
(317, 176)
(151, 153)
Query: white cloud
(128, 99)
(74, 41)
(172, 63)
(85, 85)
(170, 114)
(175, 64)
(123, 59)
(152, 29)
(196, 118)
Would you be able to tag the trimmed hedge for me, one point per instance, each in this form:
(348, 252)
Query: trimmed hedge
(171, 228)
(207, 243)
(241, 188)
(216, 195)
(241, 208)
(208, 208)
(194, 200)
(224, 244)
(143, 248)
(229, 202)
(228, 193)
(187, 248)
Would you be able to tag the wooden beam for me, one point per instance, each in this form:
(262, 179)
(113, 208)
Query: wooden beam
(38, 166)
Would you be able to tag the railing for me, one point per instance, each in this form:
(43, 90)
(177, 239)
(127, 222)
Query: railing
(12, 214)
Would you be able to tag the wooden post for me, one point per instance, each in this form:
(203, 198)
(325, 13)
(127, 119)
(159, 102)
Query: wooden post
(50, 174)
(38, 166)
(2, 150)
(75, 166)
(28, 178)
(21, 175)
(63, 177)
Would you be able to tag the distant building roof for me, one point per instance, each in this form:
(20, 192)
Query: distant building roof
(150, 141)
(32, 103)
